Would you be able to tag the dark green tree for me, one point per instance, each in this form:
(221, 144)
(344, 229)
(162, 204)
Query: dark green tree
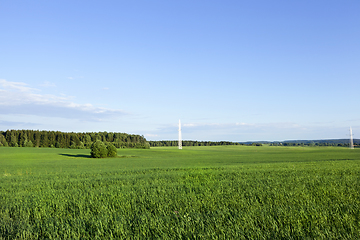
(98, 150)
(13, 139)
(22, 138)
(3, 141)
(37, 138)
(111, 150)
(28, 144)
(44, 140)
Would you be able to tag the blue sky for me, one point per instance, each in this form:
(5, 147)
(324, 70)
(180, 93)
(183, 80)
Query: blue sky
(230, 70)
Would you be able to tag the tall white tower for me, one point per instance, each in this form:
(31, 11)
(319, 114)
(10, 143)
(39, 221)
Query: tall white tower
(351, 139)
(180, 140)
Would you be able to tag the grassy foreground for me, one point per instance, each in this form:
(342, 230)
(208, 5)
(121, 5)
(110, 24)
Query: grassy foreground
(222, 192)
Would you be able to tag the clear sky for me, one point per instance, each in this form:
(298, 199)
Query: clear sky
(230, 70)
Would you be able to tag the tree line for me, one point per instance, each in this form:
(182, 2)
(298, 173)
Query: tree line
(57, 139)
(169, 143)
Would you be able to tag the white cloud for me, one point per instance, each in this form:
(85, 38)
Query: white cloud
(151, 135)
(48, 84)
(200, 124)
(244, 124)
(19, 98)
(189, 125)
(19, 86)
(19, 125)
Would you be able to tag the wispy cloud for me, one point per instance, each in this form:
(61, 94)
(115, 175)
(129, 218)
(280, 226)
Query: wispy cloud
(198, 124)
(17, 86)
(151, 135)
(244, 124)
(18, 125)
(48, 84)
(19, 98)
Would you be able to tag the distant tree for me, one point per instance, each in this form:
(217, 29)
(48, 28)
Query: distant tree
(22, 138)
(44, 140)
(111, 150)
(3, 140)
(37, 138)
(28, 144)
(13, 139)
(73, 145)
(74, 140)
(86, 139)
(52, 139)
(98, 150)
(81, 145)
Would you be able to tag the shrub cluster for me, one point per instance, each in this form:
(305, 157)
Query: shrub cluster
(100, 150)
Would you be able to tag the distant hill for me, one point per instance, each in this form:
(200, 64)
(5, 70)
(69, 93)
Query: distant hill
(333, 141)
(321, 142)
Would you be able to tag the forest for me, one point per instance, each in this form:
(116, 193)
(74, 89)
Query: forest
(57, 139)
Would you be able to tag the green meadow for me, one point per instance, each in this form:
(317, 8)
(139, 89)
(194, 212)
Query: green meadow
(219, 192)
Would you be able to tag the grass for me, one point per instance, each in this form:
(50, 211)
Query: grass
(220, 192)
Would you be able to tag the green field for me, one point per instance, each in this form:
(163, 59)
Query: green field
(220, 192)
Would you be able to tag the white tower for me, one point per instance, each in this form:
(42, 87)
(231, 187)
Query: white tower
(351, 139)
(180, 141)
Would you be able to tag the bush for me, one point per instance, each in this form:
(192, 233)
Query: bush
(28, 144)
(111, 150)
(98, 150)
